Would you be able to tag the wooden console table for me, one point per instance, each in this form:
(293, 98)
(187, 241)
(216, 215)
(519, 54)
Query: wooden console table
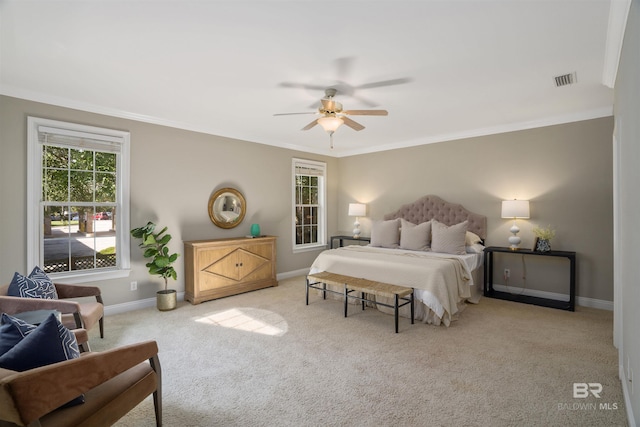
(528, 299)
(222, 267)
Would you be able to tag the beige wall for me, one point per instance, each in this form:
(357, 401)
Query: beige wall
(173, 173)
(627, 113)
(565, 171)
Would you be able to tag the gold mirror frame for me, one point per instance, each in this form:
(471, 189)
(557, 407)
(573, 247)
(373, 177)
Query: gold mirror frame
(227, 208)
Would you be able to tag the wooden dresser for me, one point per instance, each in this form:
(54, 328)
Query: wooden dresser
(222, 267)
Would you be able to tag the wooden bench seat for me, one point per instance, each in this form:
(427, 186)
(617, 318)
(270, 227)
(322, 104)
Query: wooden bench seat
(365, 287)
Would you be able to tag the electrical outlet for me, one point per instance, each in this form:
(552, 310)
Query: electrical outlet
(134, 285)
(507, 273)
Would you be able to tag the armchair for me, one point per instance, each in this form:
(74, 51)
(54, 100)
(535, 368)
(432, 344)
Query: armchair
(74, 314)
(113, 382)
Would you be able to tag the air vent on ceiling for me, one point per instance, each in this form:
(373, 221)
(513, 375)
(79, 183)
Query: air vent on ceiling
(566, 79)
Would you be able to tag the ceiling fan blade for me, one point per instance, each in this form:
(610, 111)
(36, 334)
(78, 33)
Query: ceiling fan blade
(291, 114)
(302, 85)
(381, 83)
(310, 125)
(353, 125)
(366, 112)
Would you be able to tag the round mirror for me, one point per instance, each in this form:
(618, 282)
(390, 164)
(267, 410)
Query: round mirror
(227, 208)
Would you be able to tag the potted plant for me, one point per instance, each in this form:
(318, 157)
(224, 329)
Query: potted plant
(543, 238)
(161, 264)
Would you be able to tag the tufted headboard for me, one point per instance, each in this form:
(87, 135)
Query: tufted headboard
(430, 207)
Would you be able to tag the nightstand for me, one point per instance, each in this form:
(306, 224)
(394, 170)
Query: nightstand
(342, 238)
(528, 299)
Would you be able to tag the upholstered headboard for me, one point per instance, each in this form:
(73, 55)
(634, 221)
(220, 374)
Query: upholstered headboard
(433, 207)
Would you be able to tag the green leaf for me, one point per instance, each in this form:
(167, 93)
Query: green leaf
(165, 239)
(150, 252)
(161, 261)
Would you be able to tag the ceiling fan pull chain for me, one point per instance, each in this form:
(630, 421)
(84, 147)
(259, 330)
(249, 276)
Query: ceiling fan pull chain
(331, 140)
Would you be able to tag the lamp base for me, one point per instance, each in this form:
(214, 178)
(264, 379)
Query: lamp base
(356, 229)
(514, 240)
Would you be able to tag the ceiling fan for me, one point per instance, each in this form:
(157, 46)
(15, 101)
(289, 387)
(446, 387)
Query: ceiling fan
(333, 116)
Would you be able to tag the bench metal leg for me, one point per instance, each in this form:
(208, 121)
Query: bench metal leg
(307, 291)
(346, 300)
(324, 290)
(362, 296)
(396, 312)
(412, 316)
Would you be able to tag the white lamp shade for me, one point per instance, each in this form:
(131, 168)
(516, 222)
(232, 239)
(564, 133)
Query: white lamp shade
(330, 123)
(515, 209)
(357, 209)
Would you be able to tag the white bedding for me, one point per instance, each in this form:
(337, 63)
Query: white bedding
(441, 281)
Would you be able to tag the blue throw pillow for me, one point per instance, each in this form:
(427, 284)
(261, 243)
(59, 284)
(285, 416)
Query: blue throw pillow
(36, 285)
(12, 331)
(48, 343)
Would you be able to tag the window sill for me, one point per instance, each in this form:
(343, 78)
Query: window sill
(319, 247)
(89, 276)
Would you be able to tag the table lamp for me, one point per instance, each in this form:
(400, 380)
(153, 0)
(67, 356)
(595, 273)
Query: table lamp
(515, 209)
(357, 209)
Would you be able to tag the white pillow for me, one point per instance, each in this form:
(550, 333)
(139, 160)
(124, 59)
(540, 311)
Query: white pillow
(472, 238)
(415, 237)
(450, 240)
(385, 234)
(476, 248)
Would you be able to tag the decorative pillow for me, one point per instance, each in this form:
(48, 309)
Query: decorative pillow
(472, 238)
(12, 331)
(385, 234)
(476, 248)
(450, 240)
(415, 237)
(36, 285)
(15, 330)
(48, 343)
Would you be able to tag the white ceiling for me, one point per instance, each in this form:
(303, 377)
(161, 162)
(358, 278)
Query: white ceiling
(475, 67)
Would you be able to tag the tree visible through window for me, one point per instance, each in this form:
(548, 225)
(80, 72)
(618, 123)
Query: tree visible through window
(78, 182)
(309, 206)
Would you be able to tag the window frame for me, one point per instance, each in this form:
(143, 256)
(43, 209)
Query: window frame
(322, 205)
(35, 220)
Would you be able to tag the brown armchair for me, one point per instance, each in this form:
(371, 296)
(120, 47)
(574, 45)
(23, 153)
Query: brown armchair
(113, 382)
(74, 314)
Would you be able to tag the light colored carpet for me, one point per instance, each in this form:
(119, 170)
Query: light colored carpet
(264, 358)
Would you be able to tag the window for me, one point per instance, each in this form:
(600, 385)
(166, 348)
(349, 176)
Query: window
(309, 206)
(78, 197)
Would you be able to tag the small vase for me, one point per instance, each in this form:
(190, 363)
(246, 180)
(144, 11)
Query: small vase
(543, 245)
(255, 230)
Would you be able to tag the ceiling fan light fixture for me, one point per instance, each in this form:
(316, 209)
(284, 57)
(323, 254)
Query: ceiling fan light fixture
(330, 123)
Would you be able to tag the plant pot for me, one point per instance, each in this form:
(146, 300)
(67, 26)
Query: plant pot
(167, 300)
(543, 245)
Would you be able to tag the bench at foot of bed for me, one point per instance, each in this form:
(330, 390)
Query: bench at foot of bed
(365, 287)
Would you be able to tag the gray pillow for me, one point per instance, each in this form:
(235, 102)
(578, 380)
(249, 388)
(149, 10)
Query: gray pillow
(450, 240)
(415, 237)
(386, 234)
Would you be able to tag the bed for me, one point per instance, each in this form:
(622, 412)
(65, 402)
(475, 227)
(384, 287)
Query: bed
(430, 245)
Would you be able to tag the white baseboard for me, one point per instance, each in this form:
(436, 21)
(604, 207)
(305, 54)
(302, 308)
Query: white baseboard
(151, 302)
(627, 393)
(134, 305)
(295, 273)
(581, 301)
